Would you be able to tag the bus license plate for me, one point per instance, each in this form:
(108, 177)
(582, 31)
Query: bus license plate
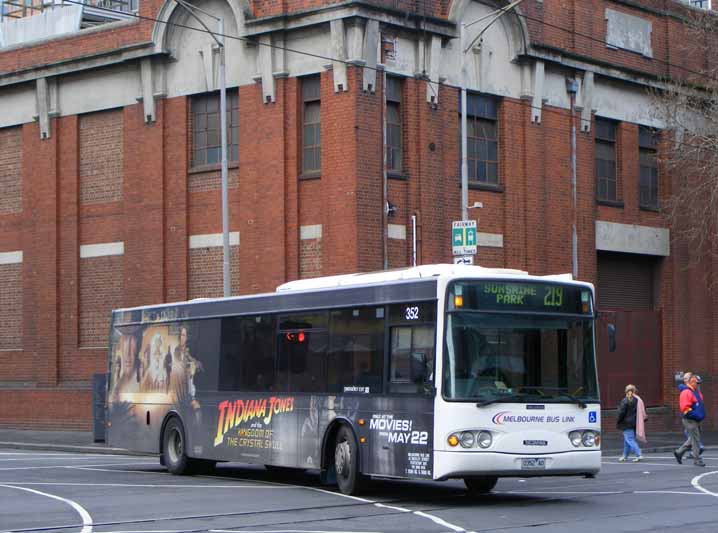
(533, 463)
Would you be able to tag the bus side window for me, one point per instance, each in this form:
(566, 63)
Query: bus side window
(301, 354)
(411, 358)
(355, 362)
(256, 353)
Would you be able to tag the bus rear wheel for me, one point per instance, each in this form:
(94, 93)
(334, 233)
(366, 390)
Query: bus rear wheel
(346, 462)
(480, 485)
(173, 447)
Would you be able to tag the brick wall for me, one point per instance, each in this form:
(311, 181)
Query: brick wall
(310, 258)
(205, 272)
(101, 155)
(11, 307)
(101, 290)
(10, 170)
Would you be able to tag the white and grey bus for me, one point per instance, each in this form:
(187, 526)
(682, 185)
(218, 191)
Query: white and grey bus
(433, 372)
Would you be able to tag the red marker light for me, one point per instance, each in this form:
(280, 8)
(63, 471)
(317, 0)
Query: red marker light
(300, 336)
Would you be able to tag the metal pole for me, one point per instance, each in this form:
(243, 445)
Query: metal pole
(413, 238)
(219, 39)
(385, 180)
(572, 88)
(225, 200)
(464, 133)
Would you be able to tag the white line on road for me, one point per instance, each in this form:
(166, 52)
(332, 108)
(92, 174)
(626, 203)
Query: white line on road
(86, 518)
(281, 531)
(431, 517)
(72, 467)
(144, 485)
(439, 521)
(393, 507)
(686, 493)
(696, 482)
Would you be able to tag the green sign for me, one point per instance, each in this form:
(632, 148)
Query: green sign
(463, 237)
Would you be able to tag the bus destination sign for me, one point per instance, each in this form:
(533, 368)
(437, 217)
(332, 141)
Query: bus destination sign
(520, 296)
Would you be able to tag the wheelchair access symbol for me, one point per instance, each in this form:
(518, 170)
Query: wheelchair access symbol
(592, 417)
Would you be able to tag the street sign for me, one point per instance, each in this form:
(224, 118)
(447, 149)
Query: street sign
(464, 260)
(463, 237)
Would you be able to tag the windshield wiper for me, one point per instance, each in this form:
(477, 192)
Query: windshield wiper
(514, 398)
(574, 399)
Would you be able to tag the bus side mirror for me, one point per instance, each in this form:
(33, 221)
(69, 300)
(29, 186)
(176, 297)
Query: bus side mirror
(611, 337)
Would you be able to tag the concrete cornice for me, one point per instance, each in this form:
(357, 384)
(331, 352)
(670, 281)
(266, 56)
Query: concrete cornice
(349, 9)
(78, 64)
(561, 57)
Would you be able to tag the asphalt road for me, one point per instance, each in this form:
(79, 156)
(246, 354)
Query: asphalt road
(64, 492)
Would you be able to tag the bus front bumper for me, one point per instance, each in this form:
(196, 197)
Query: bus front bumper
(461, 464)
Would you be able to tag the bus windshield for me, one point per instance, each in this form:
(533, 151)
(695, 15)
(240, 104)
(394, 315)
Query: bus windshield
(492, 358)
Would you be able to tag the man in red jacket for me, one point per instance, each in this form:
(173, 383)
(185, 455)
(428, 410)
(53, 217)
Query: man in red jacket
(692, 412)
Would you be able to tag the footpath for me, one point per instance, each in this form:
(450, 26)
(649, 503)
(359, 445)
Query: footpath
(83, 442)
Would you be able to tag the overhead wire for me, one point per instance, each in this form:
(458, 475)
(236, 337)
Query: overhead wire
(431, 82)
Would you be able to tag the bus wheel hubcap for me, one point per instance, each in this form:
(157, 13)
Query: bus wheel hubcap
(342, 457)
(175, 447)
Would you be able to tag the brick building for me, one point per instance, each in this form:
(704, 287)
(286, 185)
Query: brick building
(109, 172)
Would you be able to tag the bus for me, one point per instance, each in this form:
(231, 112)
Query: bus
(434, 372)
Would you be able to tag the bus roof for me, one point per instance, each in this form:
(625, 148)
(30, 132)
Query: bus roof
(413, 273)
(390, 277)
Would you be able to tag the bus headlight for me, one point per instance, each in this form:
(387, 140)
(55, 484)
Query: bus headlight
(453, 441)
(575, 437)
(589, 439)
(467, 439)
(485, 439)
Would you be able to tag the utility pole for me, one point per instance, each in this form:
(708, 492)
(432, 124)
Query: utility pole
(572, 89)
(219, 39)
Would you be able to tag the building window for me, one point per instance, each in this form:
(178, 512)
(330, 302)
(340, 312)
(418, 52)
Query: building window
(311, 130)
(206, 132)
(482, 139)
(700, 4)
(648, 178)
(393, 125)
(606, 175)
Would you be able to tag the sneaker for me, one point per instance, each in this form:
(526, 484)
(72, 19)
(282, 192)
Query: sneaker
(637, 459)
(699, 463)
(678, 456)
(622, 459)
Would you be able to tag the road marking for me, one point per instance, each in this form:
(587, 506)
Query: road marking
(439, 521)
(144, 485)
(86, 518)
(431, 517)
(400, 509)
(280, 531)
(90, 469)
(669, 492)
(696, 482)
(639, 463)
(574, 493)
(68, 466)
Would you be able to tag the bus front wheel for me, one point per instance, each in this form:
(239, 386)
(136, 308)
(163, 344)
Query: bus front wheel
(346, 462)
(480, 485)
(173, 447)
